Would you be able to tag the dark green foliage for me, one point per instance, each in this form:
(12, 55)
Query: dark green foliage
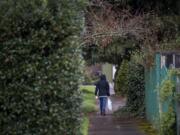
(114, 53)
(121, 83)
(136, 91)
(111, 54)
(130, 82)
(40, 67)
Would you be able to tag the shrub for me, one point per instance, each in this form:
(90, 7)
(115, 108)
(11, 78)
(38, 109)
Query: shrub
(131, 82)
(136, 90)
(168, 96)
(121, 84)
(40, 67)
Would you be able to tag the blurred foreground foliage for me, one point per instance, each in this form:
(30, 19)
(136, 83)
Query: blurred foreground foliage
(40, 67)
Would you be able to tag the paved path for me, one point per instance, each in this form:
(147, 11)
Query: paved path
(109, 125)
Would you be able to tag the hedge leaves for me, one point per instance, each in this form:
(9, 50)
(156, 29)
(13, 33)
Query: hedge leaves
(40, 67)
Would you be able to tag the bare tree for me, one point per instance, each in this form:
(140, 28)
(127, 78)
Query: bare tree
(104, 23)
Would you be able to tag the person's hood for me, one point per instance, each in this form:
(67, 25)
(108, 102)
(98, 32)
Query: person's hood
(103, 77)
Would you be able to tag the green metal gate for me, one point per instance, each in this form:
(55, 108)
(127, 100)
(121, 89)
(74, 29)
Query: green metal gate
(153, 78)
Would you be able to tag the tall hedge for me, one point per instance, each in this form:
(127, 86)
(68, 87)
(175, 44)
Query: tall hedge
(136, 89)
(130, 82)
(40, 67)
(121, 82)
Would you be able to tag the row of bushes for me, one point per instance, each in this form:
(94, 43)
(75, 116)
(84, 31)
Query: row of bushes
(38, 78)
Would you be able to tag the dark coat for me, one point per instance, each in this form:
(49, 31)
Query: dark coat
(102, 87)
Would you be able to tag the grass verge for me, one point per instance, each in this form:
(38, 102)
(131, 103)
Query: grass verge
(88, 106)
(85, 125)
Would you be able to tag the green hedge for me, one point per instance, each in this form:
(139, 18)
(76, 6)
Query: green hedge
(136, 91)
(121, 83)
(130, 82)
(40, 67)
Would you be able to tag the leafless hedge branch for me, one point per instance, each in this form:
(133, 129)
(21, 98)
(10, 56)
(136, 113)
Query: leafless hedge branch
(103, 23)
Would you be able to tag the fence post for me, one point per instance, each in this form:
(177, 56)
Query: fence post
(158, 80)
(178, 105)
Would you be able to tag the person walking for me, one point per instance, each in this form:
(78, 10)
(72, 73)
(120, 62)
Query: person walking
(102, 92)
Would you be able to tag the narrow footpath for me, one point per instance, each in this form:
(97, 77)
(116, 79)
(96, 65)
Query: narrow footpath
(109, 125)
